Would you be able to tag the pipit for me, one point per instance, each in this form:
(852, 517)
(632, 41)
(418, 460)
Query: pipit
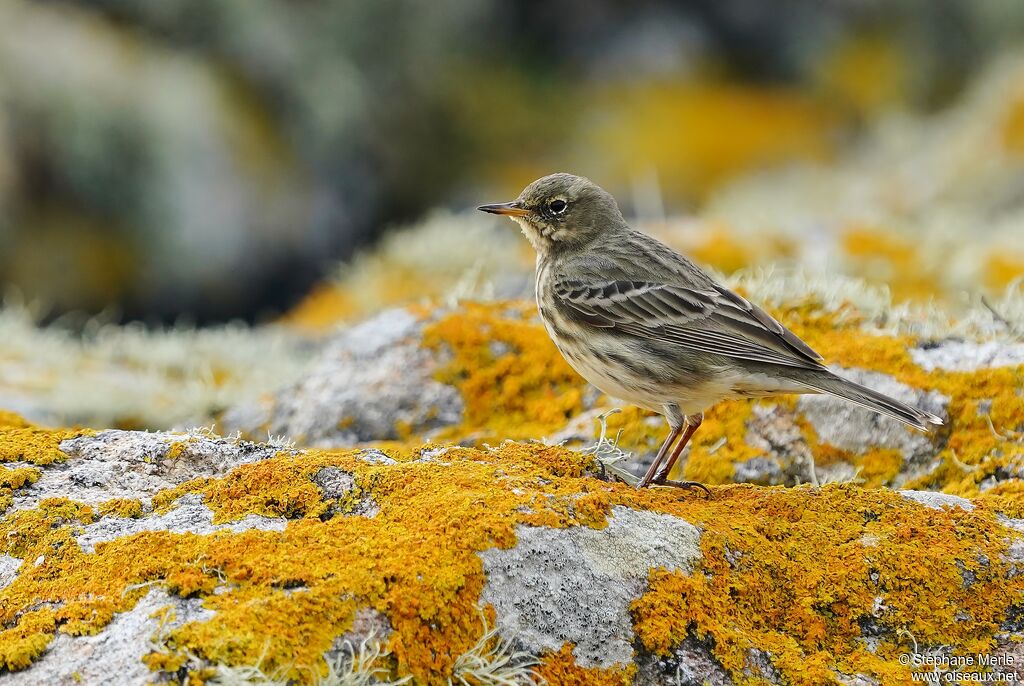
(646, 325)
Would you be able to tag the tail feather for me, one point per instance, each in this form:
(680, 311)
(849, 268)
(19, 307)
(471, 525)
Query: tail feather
(873, 400)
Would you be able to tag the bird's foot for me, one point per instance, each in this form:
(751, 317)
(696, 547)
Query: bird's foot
(662, 481)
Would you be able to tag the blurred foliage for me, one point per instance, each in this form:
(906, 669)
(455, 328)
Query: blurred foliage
(213, 158)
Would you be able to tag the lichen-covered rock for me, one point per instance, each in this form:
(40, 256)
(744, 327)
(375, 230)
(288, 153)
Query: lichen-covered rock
(271, 566)
(481, 373)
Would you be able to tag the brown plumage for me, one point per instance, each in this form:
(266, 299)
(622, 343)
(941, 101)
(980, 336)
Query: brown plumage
(645, 324)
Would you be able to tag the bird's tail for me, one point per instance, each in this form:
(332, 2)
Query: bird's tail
(873, 400)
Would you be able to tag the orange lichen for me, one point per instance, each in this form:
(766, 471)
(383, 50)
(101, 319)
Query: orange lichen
(120, 507)
(697, 136)
(1013, 127)
(275, 488)
(283, 597)
(422, 571)
(560, 668)
(1004, 268)
(26, 442)
(513, 380)
(865, 73)
(516, 385)
(795, 572)
(885, 257)
(723, 251)
(324, 307)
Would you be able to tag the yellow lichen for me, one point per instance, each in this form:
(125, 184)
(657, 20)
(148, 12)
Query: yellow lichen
(513, 381)
(560, 668)
(1004, 268)
(282, 597)
(22, 441)
(699, 135)
(16, 478)
(795, 572)
(325, 307)
(120, 507)
(10, 420)
(887, 258)
(24, 642)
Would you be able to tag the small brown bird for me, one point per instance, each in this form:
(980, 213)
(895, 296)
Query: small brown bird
(645, 324)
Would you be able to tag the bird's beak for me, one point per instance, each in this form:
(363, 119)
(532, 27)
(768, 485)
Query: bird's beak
(511, 209)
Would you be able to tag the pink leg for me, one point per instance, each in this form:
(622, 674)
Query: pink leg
(693, 423)
(673, 434)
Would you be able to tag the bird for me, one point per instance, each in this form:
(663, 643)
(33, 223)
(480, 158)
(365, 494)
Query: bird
(645, 324)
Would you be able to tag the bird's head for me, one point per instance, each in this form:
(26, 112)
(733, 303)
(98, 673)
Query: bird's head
(562, 212)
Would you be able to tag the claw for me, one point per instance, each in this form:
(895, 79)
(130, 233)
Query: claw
(683, 484)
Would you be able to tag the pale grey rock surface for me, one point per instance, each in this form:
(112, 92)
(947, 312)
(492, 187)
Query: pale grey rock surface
(575, 584)
(936, 500)
(857, 429)
(114, 655)
(8, 570)
(136, 464)
(189, 515)
(968, 356)
(366, 381)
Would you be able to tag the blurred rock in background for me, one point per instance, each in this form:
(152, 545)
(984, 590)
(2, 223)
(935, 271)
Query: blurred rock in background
(210, 160)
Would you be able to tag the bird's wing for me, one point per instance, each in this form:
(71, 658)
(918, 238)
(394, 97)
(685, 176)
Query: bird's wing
(710, 320)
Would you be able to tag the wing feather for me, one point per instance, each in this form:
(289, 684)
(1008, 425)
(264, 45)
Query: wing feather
(715, 321)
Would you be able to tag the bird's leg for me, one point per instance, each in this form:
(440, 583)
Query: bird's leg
(673, 434)
(693, 423)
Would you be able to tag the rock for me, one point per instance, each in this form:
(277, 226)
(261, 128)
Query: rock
(968, 356)
(857, 429)
(579, 582)
(479, 373)
(371, 382)
(112, 464)
(117, 649)
(189, 515)
(938, 500)
(263, 565)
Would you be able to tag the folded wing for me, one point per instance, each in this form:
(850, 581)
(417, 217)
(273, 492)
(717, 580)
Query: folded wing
(713, 320)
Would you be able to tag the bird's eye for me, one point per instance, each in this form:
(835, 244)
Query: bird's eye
(557, 206)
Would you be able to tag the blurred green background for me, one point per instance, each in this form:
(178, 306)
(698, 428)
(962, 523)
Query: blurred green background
(213, 159)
